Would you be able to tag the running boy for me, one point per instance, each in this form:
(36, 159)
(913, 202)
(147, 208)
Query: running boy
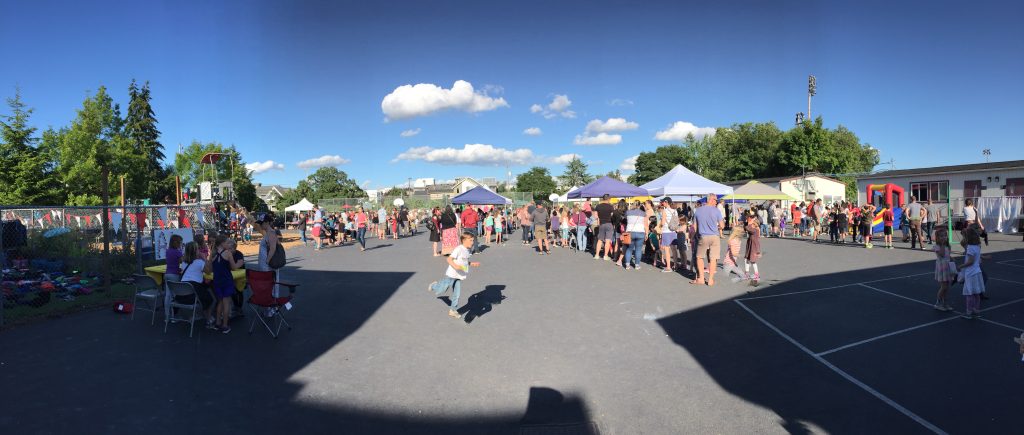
(458, 267)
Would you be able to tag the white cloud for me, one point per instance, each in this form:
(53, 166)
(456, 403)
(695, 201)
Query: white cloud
(408, 101)
(620, 102)
(324, 160)
(565, 158)
(680, 129)
(410, 133)
(470, 154)
(260, 167)
(629, 164)
(609, 126)
(598, 139)
(597, 132)
(559, 106)
(533, 131)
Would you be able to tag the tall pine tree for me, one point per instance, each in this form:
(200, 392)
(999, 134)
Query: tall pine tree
(25, 171)
(144, 138)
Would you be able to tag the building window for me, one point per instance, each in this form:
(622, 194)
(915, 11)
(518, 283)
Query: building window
(1015, 187)
(972, 189)
(935, 191)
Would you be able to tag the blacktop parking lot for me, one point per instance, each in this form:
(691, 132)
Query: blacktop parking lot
(836, 340)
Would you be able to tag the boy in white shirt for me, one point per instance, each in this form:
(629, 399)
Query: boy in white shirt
(458, 267)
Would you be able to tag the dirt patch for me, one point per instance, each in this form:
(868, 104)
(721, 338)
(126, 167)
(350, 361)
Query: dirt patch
(253, 247)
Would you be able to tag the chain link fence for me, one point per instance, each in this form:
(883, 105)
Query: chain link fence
(57, 260)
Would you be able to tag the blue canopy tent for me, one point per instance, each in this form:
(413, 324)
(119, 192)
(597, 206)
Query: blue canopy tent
(684, 185)
(607, 186)
(480, 196)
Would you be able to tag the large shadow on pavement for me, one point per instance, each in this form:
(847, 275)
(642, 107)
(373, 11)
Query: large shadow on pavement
(753, 362)
(96, 373)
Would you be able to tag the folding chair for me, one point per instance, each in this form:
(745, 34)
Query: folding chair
(262, 285)
(179, 288)
(147, 290)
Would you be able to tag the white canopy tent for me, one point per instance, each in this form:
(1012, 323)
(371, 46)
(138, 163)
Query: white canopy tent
(683, 184)
(303, 205)
(565, 198)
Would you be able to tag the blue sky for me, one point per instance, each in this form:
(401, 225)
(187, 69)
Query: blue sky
(927, 83)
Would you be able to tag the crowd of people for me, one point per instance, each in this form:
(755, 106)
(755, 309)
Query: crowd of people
(337, 229)
(190, 262)
(627, 233)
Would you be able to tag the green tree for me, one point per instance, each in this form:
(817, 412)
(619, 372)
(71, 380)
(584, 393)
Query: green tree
(330, 182)
(25, 169)
(188, 166)
(537, 180)
(575, 174)
(87, 148)
(616, 174)
(293, 196)
(395, 191)
(143, 137)
(651, 165)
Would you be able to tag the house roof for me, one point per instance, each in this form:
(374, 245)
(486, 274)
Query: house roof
(264, 191)
(1009, 164)
(780, 179)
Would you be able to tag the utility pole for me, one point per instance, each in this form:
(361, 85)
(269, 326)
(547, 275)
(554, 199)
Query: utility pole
(812, 90)
(987, 153)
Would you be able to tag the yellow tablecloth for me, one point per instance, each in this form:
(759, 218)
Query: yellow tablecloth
(157, 273)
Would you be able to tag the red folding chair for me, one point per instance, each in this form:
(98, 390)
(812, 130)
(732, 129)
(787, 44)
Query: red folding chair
(265, 307)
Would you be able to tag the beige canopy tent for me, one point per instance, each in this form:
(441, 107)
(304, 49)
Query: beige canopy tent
(756, 191)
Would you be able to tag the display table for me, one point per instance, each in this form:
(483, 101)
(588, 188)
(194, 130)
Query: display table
(157, 273)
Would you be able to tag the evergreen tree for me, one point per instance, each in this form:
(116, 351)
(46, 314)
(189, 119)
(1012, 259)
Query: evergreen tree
(143, 137)
(575, 174)
(25, 169)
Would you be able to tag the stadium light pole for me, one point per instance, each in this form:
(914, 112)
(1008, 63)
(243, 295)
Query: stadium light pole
(799, 118)
(987, 153)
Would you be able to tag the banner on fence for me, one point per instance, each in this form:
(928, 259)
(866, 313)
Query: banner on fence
(162, 239)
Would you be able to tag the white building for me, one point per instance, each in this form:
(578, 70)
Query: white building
(804, 187)
(978, 180)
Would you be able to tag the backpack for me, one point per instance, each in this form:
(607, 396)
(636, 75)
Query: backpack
(430, 225)
(673, 220)
(277, 261)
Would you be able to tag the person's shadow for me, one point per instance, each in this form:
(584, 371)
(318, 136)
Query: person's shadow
(479, 303)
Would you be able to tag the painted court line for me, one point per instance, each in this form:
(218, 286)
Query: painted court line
(1002, 305)
(912, 328)
(832, 287)
(1000, 324)
(1007, 280)
(895, 294)
(869, 340)
(1010, 263)
(845, 375)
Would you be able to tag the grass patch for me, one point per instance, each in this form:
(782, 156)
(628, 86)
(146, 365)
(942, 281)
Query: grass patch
(21, 314)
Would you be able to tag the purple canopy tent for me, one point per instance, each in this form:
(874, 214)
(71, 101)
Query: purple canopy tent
(607, 186)
(480, 196)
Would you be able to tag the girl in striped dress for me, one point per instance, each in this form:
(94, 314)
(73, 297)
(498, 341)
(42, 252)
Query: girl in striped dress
(945, 269)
